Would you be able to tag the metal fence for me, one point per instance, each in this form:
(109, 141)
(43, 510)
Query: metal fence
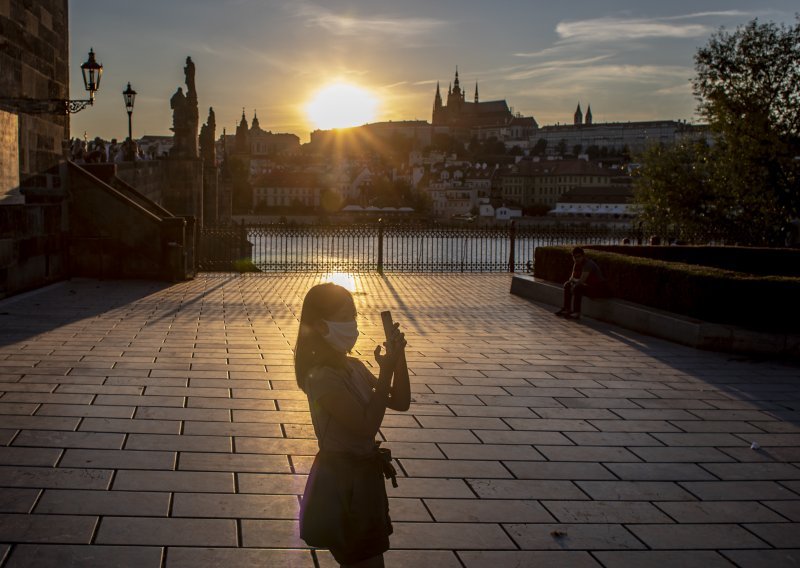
(369, 248)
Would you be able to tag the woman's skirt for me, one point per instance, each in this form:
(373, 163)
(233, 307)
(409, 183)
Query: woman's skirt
(345, 507)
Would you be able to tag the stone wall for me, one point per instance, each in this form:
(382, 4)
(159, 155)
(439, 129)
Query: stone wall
(9, 159)
(148, 177)
(34, 58)
(115, 233)
(32, 246)
(34, 68)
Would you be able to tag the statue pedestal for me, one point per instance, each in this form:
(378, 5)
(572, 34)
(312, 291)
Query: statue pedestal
(210, 195)
(183, 195)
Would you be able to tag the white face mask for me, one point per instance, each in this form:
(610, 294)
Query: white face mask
(342, 335)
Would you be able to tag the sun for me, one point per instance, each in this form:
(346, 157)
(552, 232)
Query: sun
(341, 105)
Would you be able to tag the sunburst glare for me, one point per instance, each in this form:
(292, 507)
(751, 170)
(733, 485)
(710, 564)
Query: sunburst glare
(341, 105)
(343, 279)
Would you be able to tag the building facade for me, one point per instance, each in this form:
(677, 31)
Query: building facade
(34, 59)
(256, 146)
(615, 136)
(530, 183)
(286, 189)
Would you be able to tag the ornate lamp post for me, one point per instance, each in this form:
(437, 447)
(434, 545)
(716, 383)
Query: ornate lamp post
(92, 72)
(129, 95)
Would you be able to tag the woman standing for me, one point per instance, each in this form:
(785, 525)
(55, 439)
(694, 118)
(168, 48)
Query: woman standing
(344, 506)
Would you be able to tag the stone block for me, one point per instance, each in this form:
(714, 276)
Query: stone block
(149, 531)
(104, 503)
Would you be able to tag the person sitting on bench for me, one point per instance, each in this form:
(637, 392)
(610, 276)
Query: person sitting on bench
(586, 280)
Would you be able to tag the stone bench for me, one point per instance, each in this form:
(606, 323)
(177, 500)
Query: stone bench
(665, 325)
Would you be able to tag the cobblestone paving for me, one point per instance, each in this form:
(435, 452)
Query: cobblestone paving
(145, 425)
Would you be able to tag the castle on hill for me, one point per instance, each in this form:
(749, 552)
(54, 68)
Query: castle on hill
(482, 118)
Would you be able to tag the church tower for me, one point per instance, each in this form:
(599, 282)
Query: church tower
(455, 99)
(437, 106)
(578, 120)
(255, 125)
(457, 92)
(242, 138)
(476, 92)
(589, 115)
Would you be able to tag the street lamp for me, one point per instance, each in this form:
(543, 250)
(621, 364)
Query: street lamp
(128, 96)
(92, 72)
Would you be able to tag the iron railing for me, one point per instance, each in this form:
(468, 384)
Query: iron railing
(369, 248)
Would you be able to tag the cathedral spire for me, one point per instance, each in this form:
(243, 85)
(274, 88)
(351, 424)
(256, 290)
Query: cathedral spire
(437, 100)
(578, 117)
(476, 92)
(588, 114)
(242, 145)
(456, 84)
(255, 124)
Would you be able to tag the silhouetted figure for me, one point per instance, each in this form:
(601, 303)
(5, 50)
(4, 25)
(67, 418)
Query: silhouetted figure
(208, 149)
(586, 280)
(185, 116)
(344, 506)
(178, 105)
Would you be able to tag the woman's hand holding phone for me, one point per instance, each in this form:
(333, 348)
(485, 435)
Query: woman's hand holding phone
(395, 342)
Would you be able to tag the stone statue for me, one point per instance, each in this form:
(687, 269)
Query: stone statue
(185, 116)
(189, 71)
(192, 110)
(178, 105)
(208, 150)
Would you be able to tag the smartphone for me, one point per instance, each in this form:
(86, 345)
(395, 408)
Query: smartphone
(388, 323)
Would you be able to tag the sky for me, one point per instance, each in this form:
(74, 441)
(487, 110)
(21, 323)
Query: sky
(630, 60)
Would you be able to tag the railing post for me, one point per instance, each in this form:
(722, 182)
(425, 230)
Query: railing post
(240, 246)
(512, 238)
(380, 246)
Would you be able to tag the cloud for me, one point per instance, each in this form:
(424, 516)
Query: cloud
(723, 14)
(352, 25)
(615, 29)
(612, 77)
(555, 65)
(393, 85)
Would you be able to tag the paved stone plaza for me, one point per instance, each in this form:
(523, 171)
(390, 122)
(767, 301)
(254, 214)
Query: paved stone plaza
(146, 425)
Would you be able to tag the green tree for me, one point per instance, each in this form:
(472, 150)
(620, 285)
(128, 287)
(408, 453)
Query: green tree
(540, 147)
(748, 83)
(745, 185)
(674, 191)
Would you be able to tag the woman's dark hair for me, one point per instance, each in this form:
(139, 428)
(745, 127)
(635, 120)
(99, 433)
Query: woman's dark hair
(577, 250)
(311, 349)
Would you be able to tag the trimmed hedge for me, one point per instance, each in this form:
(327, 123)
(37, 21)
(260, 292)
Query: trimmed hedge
(750, 260)
(767, 303)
